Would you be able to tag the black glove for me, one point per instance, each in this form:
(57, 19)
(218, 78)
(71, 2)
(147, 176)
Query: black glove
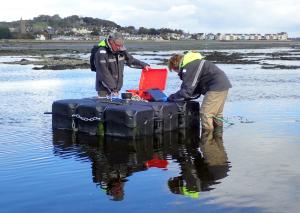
(175, 97)
(171, 98)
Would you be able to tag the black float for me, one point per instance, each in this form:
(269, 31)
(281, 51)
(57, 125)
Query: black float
(141, 112)
(120, 118)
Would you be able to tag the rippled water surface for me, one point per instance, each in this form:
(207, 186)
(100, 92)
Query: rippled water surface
(252, 167)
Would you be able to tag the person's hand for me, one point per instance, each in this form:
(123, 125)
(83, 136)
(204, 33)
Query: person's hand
(115, 94)
(175, 97)
(147, 67)
(171, 98)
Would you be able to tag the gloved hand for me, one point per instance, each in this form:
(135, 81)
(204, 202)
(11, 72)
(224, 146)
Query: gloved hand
(171, 98)
(174, 97)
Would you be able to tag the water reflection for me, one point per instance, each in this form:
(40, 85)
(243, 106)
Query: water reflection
(203, 162)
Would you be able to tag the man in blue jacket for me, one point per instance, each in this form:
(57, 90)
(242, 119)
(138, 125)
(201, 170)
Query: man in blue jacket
(109, 61)
(201, 77)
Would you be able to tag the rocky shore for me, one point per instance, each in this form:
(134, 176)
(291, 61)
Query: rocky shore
(54, 63)
(69, 55)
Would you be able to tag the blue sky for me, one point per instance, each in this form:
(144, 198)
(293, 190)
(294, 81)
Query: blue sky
(230, 16)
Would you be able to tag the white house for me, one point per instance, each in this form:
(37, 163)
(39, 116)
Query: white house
(40, 37)
(282, 36)
(81, 31)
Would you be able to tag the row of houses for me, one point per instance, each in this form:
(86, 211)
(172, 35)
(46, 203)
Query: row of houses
(282, 36)
(79, 33)
(84, 34)
(233, 37)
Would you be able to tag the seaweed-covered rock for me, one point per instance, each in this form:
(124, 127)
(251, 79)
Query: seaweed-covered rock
(273, 66)
(63, 67)
(225, 58)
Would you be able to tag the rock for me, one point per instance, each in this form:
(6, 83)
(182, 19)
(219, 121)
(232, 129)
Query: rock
(24, 61)
(225, 58)
(271, 66)
(63, 67)
(290, 58)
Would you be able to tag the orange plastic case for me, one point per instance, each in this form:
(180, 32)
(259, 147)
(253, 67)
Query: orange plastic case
(150, 79)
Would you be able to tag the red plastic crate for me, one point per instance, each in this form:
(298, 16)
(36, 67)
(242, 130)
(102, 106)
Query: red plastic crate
(151, 79)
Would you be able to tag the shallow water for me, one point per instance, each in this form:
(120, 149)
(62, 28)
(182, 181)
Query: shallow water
(253, 168)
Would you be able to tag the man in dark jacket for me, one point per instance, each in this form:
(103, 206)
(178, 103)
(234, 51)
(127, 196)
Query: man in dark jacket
(109, 61)
(200, 77)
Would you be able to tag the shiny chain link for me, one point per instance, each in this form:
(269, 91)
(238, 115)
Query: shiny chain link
(85, 118)
(74, 126)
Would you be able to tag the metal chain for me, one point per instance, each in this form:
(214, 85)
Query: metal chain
(137, 98)
(74, 126)
(85, 118)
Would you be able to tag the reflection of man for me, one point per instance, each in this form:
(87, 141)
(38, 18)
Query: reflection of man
(112, 159)
(212, 148)
(115, 188)
(118, 160)
(110, 171)
(177, 185)
(200, 171)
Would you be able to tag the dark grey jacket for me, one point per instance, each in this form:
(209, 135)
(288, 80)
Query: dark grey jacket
(110, 68)
(196, 82)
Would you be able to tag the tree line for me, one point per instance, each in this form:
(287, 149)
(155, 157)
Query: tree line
(60, 25)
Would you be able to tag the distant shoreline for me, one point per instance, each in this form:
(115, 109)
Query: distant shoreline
(33, 47)
(60, 55)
